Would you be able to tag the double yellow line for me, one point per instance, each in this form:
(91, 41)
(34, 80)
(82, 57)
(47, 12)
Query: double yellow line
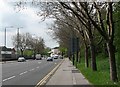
(43, 81)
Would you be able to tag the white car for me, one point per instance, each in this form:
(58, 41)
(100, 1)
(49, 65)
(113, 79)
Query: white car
(55, 56)
(60, 56)
(49, 59)
(21, 59)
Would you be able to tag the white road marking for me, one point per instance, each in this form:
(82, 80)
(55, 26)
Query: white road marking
(23, 73)
(39, 62)
(37, 67)
(9, 78)
(31, 69)
(55, 63)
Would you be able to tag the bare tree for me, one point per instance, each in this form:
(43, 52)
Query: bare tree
(26, 41)
(20, 42)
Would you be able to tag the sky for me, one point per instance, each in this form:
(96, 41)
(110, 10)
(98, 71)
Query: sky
(27, 21)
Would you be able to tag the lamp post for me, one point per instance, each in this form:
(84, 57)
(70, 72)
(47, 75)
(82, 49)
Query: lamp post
(74, 46)
(6, 38)
(6, 34)
(18, 39)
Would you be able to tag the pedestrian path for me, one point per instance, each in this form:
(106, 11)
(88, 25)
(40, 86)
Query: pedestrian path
(67, 74)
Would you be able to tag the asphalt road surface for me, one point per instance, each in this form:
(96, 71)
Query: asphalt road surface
(26, 73)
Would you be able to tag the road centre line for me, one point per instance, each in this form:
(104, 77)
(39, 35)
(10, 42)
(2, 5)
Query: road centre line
(23, 73)
(31, 69)
(39, 62)
(37, 67)
(9, 78)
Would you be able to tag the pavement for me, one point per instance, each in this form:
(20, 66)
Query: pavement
(67, 74)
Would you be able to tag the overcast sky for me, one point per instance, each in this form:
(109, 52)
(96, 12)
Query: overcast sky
(27, 19)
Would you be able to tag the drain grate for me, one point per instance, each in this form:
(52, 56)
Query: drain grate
(66, 70)
(75, 71)
(70, 66)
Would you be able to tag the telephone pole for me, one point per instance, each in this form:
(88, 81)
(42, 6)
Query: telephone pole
(5, 42)
(18, 39)
(5, 37)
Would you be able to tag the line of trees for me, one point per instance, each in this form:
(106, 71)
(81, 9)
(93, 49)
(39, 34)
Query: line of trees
(27, 41)
(95, 23)
(92, 22)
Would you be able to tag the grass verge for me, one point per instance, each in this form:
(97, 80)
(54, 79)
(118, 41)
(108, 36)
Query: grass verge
(99, 77)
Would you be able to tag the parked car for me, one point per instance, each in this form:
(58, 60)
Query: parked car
(49, 59)
(38, 57)
(21, 59)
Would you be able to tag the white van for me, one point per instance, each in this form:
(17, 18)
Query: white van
(38, 57)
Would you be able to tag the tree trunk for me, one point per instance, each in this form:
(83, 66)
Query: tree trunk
(73, 59)
(34, 54)
(21, 52)
(79, 57)
(110, 46)
(105, 50)
(93, 57)
(112, 61)
(77, 54)
(118, 65)
(86, 57)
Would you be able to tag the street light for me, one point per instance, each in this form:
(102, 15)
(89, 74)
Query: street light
(18, 38)
(5, 33)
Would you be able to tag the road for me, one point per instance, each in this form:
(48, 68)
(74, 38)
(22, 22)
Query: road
(26, 73)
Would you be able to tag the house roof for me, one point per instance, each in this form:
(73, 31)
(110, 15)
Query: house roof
(55, 48)
(3, 48)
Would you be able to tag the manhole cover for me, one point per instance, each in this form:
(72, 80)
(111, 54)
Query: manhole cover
(75, 71)
(69, 66)
(66, 70)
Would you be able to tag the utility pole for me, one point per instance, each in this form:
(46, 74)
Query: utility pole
(76, 49)
(18, 40)
(73, 50)
(5, 42)
(5, 37)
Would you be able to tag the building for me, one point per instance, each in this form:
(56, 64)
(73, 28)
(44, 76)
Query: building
(7, 53)
(0, 53)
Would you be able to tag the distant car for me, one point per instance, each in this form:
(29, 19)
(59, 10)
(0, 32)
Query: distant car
(60, 56)
(49, 59)
(21, 59)
(38, 57)
(55, 56)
